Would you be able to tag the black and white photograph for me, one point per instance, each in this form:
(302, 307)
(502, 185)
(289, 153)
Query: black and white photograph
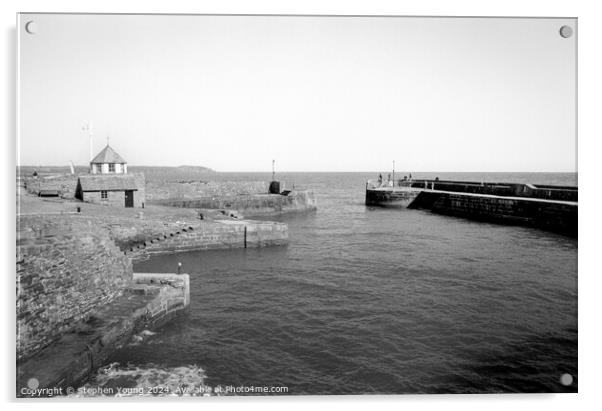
(218, 205)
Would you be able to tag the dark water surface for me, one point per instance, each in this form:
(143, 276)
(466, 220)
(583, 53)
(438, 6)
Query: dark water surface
(377, 301)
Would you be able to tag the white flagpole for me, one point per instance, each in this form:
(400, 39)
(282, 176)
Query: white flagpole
(88, 128)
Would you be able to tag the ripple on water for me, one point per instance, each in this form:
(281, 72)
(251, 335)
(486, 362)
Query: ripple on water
(378, 301)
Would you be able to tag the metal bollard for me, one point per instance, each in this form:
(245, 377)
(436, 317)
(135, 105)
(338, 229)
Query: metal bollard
(179, 267)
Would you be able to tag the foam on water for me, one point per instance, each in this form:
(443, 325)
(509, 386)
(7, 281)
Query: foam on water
(149, 380)
(141, 336)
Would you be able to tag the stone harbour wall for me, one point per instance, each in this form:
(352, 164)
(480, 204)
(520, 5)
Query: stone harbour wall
(152, 300)
(64, 271)
(547, 192)
(556, 216)
(172, 298)
(390, 198)
(251, 205)
(217, 235)
(162, 190)
(129, 236)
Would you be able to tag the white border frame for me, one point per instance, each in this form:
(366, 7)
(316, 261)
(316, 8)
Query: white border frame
(589, 69)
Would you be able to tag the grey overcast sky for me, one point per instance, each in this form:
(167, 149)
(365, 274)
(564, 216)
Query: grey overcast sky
(314, 93)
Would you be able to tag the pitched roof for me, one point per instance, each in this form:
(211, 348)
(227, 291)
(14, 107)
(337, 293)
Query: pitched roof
(108, 155)
(98, 182)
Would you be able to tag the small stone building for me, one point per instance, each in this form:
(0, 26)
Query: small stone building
(109, 182)
(125, 190)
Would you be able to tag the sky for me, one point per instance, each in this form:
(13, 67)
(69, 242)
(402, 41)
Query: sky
(314, 93)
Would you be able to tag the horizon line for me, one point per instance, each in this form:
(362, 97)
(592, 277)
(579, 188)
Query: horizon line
(210, 170)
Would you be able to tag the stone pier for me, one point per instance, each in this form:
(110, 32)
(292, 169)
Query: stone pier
(249, 204)
(551, 208)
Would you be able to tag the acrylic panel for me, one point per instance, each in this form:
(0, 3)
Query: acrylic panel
(296, 205)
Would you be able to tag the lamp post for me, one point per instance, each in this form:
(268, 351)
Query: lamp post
(393, 173)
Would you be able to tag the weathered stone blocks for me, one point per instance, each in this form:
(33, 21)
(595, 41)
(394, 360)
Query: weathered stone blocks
(250, 205)
(63, 272)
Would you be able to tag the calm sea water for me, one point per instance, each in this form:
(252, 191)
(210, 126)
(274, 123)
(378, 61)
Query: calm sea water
(368, 300)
